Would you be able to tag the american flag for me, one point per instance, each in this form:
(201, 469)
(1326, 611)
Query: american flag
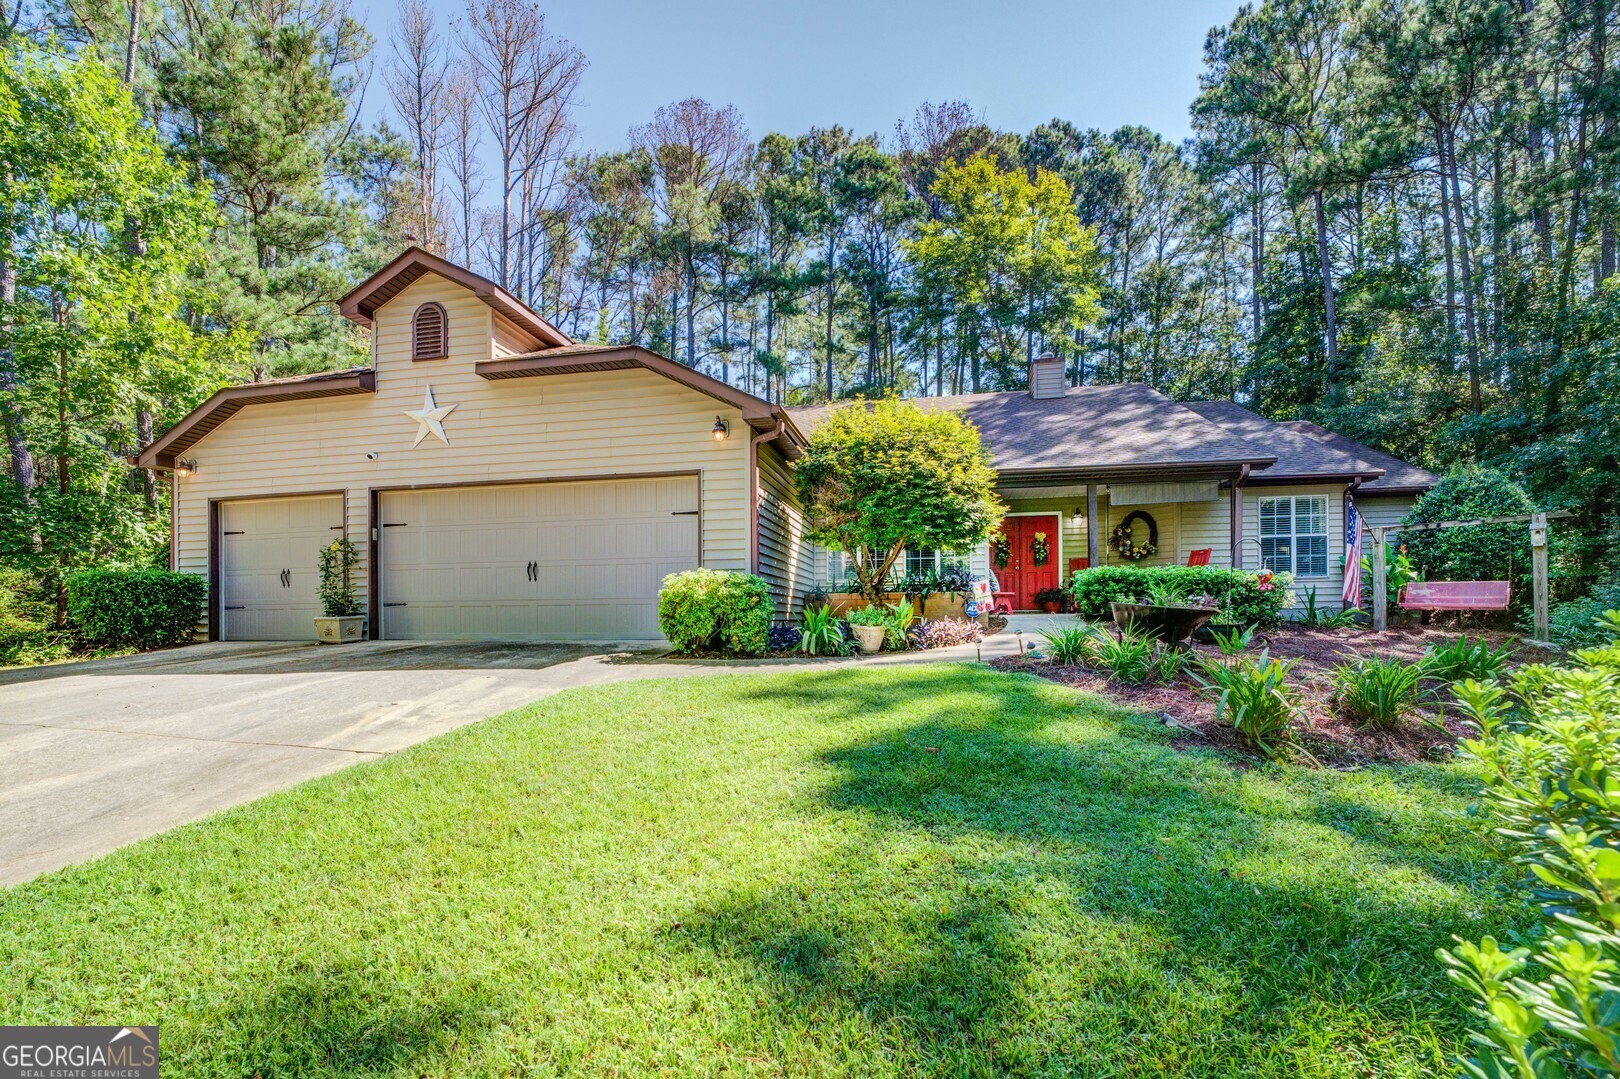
(1352, 554)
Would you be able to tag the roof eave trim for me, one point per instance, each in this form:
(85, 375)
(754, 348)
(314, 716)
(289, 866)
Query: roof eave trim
(353, 305)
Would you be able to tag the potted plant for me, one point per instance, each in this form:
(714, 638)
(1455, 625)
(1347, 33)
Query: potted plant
(343, 618)
(871, 626)
(1051, 600)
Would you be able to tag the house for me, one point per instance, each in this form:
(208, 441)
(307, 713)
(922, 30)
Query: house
(1077, 463)
(504, 482)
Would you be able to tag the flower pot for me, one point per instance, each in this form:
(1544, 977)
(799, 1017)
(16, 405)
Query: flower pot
(339, 630)
(1049, 607)
(1172, 625)
(870, 637)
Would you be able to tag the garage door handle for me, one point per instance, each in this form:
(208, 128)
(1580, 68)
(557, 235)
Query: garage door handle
(237, 608)
(533, 570)
(396, 605)
(684, 513)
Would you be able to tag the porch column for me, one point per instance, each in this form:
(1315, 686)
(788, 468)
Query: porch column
(1235, 528)
(1091, 525)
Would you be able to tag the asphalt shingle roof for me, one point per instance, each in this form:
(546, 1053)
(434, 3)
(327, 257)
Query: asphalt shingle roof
(1399, 476)
(1299, 454)
(1103, 427)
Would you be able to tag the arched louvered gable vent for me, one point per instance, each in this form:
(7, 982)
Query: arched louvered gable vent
(430, 338)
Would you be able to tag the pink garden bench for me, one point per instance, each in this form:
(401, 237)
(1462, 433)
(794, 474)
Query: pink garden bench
(1454, 596)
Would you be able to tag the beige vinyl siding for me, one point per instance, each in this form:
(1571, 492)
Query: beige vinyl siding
(787, 560)
(506, 339)
(1208, 524)
(1380, 512)
(611, 423)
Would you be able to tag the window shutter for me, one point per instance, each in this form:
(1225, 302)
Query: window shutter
(430, 337)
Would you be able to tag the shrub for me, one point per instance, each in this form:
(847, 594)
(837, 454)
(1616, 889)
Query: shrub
(821, 633)
(1479, 553)
(1068, 645)
(1575, 622)
(1376, 691)
(944, 632)
(1550, 750)
(1251, 599)
(1455, 662)
(144, 608)
(1254, 696)
(878, 478)
(704, 610)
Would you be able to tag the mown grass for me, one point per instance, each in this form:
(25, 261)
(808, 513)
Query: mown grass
(908, 870)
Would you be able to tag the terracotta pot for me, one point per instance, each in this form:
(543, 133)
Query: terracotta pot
(1049, 607)
(870, 637)
(339, 630)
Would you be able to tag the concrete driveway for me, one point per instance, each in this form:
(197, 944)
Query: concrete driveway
(96, 755)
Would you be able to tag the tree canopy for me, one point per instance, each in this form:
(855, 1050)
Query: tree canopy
(883, 477)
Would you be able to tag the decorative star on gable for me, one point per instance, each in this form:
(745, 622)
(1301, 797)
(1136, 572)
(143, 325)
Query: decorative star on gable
(430, 418)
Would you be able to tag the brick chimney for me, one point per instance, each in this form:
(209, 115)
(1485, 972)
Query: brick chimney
(1046, 377)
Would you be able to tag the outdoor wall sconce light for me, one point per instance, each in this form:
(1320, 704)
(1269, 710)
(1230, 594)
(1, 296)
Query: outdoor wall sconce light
(1078, 518)
(721, 429)
(185, 466)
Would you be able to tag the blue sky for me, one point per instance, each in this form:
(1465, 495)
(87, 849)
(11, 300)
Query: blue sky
(867, 63)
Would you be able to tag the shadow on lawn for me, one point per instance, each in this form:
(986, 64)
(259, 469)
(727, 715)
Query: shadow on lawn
(344, 1018)
(988, 828)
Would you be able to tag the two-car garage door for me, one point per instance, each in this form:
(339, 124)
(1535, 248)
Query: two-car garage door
(538, 561)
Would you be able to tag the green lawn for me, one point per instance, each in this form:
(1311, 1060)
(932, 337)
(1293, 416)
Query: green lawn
(918, 870)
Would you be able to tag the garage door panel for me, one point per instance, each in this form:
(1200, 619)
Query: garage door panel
(600, 550)
(259, 539)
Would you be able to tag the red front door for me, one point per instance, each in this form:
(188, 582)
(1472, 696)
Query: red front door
(1021, 576)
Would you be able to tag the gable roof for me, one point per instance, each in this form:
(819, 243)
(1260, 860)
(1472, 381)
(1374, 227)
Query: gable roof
(1399, 478)
(1094, 431)
(361, 303)
(1300, 456)
(224, 404)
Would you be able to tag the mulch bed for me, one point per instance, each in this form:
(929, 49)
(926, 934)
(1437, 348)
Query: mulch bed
(1430, 732)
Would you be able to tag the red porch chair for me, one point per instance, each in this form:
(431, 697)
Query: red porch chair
(1078, 564)
(1200, 557)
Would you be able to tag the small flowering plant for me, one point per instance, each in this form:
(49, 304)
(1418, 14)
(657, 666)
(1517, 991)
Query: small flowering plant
(338, 560)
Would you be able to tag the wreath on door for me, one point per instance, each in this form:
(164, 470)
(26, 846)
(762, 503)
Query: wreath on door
(1039, 550)
(1000, 550)
(1122, 541)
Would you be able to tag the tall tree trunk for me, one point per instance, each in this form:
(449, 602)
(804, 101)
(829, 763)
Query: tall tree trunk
(1325, 267)
(11, 416)
(1465, 251)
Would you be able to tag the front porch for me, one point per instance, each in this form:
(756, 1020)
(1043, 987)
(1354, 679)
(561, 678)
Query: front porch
(1179, 515)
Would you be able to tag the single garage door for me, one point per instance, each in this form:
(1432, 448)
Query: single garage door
(539, 561)
(269, 565)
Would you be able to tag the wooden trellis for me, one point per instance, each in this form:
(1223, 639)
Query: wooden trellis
(1539, 526)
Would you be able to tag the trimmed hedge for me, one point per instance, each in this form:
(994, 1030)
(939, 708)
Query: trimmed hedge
(705, 610)
(1238, 591)
(145, 608)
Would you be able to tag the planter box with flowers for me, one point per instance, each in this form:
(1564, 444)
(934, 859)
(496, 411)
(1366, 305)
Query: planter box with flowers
(343, 620)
